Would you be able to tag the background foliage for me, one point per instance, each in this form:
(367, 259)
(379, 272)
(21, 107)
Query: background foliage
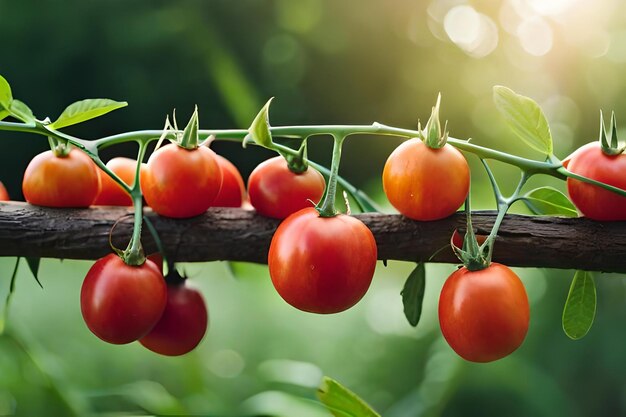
(326, 62)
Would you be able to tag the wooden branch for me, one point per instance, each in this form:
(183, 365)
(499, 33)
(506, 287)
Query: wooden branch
(240, 235)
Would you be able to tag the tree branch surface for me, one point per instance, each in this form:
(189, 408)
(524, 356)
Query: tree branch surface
(243, 235)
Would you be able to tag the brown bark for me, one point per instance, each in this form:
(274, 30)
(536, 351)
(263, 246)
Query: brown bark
(240, 235)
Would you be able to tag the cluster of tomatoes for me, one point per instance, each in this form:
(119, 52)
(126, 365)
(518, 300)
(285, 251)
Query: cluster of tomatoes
(317, 263)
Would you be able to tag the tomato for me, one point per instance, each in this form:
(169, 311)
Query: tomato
(4, 195)
(277, 192)
(122, 303)
(593, 201)
(424, 183)
(182, 325)
(484, 314)
(111, 193)
(179, 182)
(68, 181)
(233, 190)
(322, 264)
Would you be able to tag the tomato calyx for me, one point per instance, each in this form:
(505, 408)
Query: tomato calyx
(611, 148)
(432, 135)
(473, 255)
(296, 163)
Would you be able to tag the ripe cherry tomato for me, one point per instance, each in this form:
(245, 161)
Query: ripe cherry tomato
(593, 201)
(181, 183)
(233, 190)
(424, 183)
(182, 325)
(111, 193)
(69, 181)
(484, 314)
(322, 265)
(4, 195)
(122, 303)
(277, 192)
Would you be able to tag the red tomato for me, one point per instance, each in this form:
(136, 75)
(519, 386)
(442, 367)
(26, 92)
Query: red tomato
(122, 303)
(111, 193)
(69, 181)
(182, 325)
(233, 190)
(424, 183)
(593, 201)
(4, 195)
(484, 314)
(322, 264)
(181, 183)
(277, 192)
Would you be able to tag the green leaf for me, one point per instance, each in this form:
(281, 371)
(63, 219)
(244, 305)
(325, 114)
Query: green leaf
(33, 264)
(580, 307)
(5, 93)
(21, 111)
(525, 118)
(413, 294)
(259, 130)
(83, 110)
(549, 201)
(7, 301)
(341, 401)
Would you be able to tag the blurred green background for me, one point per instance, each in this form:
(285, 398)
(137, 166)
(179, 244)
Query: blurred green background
(325, 62)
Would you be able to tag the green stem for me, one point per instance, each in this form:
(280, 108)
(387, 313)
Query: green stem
(134, 254)
(327, 208)
(566, 173)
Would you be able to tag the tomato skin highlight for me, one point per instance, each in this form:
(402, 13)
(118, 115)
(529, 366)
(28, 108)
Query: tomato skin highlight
(181, 183)
(122, 303)
(233, 190)
(322, 265)
(426, 184)
(69, 181)
(182, 325)
(277, 192)
(484, 314)
(111, 193)
(4, 194)
(592, 201)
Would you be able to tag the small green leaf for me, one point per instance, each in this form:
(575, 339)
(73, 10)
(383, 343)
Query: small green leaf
(4, 114)
(549, 201)
(525, 118)
(21, 111)
(259, 130)
(5, 93)
(413, 294)
(33, 264)
(580, 307)
(83, 110)
(342, 402)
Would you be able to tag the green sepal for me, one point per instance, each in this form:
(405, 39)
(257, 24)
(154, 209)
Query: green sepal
(342, 402)
(33, 265)
(6, 96)
(190, 137)
(297, 163)
(259, 130)
(21, 111)
(4, 114)
(413, 294)
(473, 256)
(525, 118)
(84, 110)
(434, 136)
(611, 148)
(580, 306)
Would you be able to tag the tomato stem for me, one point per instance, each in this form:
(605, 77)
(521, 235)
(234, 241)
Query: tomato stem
(134, 254)
(327, 208)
